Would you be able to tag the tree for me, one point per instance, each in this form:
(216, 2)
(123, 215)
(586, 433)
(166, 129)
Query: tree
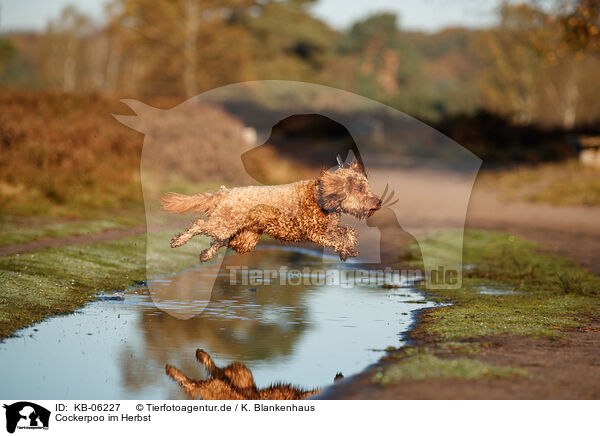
(7, 53)
(581, 23)
(63, 52)
(509, 84)
(384, 65)
(537, 63)
(184, 45)
(288, 42)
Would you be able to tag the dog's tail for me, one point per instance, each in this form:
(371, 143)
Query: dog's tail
(203, 202)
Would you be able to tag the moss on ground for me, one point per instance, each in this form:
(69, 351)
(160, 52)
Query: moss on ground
(510, 286)
(18, 230)
(422, 366)
(60, 280)
(566, 183)
(539, 292)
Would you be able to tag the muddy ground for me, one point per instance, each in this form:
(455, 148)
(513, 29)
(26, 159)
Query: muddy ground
(559, 368)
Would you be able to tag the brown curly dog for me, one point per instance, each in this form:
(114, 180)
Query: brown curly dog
(308, 210)
(234, 382)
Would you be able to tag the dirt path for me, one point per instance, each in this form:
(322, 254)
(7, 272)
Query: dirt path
(431, 200)
(42, 244)
(572, 231)
(565, 368)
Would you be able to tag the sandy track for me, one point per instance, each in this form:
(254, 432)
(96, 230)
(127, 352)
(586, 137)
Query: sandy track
(433, 199)
(42, 244)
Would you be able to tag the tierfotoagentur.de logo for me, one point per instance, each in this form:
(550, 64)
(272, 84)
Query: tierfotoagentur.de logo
(308, 171)
(24, 415)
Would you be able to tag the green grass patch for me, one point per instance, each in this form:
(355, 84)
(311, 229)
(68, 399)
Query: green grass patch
(510, 286)
(565, 184)
(461, 347)
(57, 281)
(423, 366)
(546, 292)
(18, 230)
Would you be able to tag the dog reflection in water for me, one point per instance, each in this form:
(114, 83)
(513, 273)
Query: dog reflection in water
(234, 382)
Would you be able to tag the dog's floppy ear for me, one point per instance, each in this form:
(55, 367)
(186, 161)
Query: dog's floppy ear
(330, 192)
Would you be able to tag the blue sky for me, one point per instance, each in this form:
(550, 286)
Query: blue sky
(427, 15)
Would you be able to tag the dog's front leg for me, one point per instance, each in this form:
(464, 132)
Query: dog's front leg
(341, 239)
(203, 357)
(345, 243)
(348, 238)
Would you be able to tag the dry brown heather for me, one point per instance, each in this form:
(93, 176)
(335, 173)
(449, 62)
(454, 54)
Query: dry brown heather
(59, 152)
(64, 154)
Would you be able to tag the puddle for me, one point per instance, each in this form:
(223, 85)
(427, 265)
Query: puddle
(117, 346)
(493, 291)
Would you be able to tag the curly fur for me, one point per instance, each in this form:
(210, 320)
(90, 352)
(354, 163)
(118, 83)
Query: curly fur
(307, 210)
(234, 382)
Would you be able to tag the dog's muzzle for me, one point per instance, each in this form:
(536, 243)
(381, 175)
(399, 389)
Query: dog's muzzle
(374, 209)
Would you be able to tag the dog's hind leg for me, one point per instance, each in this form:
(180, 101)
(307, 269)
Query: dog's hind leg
(237, 374)
(212, 389)
(199, 226)
(205, 358)
(211, 251)
(244, 241)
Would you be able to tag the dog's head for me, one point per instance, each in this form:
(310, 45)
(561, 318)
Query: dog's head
(347, 190)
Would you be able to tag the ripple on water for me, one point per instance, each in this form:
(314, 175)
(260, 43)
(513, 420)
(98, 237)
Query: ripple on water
(486, 290)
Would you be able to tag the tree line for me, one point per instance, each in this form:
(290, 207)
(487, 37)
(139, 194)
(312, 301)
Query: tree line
(537, 65)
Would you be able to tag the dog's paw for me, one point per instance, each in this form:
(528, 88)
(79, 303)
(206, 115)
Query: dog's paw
(175, 373)
(202, 356)
(351, 233)
(348, 253)
(205, 256)
(349, 236)
(177, 241)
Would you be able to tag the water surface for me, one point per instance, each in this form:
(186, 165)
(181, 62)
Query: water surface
(117, 347)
